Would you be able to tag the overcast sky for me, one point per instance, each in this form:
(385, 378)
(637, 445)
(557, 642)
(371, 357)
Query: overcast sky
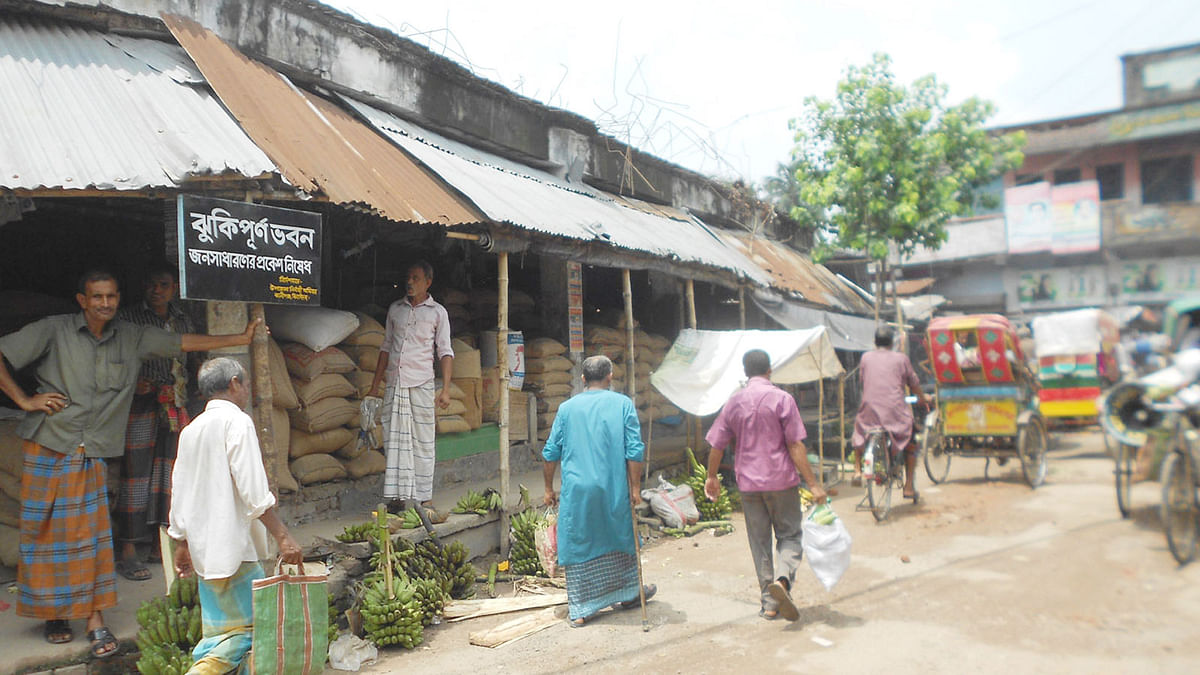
(712, 85)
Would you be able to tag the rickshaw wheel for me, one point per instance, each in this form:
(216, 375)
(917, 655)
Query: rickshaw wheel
(879, 488)
(1031, 448)
(1180, 508)
(1123, 474)
(937, 459)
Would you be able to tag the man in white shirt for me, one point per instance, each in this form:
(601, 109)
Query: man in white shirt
(221, 509)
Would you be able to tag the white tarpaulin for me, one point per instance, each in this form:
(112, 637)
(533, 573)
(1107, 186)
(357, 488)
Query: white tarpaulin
(704, 367)
(1071, 333)
(852, 333)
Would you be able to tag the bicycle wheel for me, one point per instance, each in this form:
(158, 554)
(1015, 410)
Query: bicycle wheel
(1031, 447)
(1180, 509)
(879, 488)
(933, 448)
(1123, 473)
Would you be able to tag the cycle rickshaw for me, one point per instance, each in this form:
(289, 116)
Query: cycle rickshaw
(987, 398)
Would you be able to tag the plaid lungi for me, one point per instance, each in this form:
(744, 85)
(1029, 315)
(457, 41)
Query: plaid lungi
(409, 426)
(66, 569)
(144, 498)
(227, 614)
(601, 582)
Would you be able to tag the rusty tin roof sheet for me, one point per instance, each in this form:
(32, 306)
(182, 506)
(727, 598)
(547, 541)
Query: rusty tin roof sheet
(85, 109)
(319, 147)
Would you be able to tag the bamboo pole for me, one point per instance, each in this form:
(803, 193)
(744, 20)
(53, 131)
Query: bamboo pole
(742, 307)
(691, 303)
(693, 422)
(502, 362)
(630, 350)
(821, 427)
(265, 398)
(842, 421)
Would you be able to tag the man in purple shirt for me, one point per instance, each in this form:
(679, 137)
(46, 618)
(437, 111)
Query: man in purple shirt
(417, 334)
(770, 451)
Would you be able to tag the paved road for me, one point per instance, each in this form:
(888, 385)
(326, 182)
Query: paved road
(999, 579)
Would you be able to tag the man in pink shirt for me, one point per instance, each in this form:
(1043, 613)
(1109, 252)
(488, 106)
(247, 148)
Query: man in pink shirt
(417, 334)
(769, 460)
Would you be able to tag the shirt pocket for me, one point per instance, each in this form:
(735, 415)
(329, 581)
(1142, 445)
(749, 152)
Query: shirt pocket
(112, 375)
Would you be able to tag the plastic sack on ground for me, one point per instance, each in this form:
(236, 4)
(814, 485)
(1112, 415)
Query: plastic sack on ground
(675, 505)
(826, 544)
(350, 652)
(545, 540)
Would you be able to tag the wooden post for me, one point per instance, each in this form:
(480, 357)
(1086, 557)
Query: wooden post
(691, 303)
(502, 362)
(264, 398)
(742, 307)
(821, 428)
(842, 421)
(693, 422)
(630, 349)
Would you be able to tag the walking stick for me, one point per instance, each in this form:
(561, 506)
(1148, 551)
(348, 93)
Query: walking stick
(637, 548)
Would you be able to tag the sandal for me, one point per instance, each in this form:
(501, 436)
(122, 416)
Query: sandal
(649, 590)
(577, 623)
(133, 570)
(769, 614)
(786, 606)
(58, 631)
(104, 643)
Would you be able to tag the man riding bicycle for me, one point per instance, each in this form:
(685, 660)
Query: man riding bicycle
(884, 374)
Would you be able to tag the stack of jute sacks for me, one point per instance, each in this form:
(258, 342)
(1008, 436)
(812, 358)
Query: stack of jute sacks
(466, 390)
(457, 304)
(12, 460)
(484, 309)
(548, 376)
(649, 351)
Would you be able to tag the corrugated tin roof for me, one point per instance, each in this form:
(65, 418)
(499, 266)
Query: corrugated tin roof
(536, 200)
(791, 271)
(85, 109)
(318, 146)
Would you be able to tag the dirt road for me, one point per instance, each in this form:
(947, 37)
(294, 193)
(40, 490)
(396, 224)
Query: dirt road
(1000, 579)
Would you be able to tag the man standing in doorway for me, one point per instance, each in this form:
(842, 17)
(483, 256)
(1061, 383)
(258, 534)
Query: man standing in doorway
(221, 505)
(598, 441)
(86, 367)
(417, 334)
(769, 460)
(158, 412)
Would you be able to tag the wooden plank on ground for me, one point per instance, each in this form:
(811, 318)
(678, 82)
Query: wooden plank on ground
(461, 610)
(511, 631)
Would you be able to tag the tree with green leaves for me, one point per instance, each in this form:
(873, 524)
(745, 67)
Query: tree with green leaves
(884, 165)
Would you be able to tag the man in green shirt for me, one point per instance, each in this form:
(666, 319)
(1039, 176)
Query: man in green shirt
(86, 366)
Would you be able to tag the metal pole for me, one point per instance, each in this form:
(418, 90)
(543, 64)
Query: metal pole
(502, 362)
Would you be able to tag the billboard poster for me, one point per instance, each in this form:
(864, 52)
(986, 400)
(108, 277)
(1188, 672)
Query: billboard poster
(1076, 215)
(575, 306)
(1027, 218)
(1081, 286)
(1158, 280)
(248, 252)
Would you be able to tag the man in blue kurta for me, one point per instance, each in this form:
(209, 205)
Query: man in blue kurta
(598, 441)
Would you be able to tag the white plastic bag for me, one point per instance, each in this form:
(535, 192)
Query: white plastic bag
(545, 540)
(350, 652)
(675, 505)
(827, 548)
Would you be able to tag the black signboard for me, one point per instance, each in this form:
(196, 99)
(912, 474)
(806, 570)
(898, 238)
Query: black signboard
(248, 252)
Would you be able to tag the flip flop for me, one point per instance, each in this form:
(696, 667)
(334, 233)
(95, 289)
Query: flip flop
(786, 607)
(104, 643)
(649, 590)
(577, 623)
(58, 631)
(133, 570)
(769, 614)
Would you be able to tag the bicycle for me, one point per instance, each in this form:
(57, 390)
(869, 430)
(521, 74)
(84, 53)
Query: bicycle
(1180, 510)
(887, 473)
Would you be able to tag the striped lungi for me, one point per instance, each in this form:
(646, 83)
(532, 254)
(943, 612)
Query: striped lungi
(601, 582)
(227, 614)
(144, 498)
(66, 569)
(409, 426)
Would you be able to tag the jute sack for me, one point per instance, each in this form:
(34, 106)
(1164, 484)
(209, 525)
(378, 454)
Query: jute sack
(556, 390)
(542, 347)
(547, 364)
(456, 408)
(317, 468)
(603, 335)
(546, 420)
(540, 380)
(306, 364)
(362, 381)
(323, 386)
(303, 443)
(352, 447)
(452, 424)
(368, 463)
(615, 352)
(282, 392)
(323, 415)
(369, 332)
(282, 428)
(550, 404)
(366, 357)
(453, 296)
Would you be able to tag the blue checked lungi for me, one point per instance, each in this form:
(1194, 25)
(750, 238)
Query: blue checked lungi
(227, 614)
(601, 582)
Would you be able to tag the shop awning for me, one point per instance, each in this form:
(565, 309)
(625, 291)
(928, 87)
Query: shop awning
(538, 201)
(850, 333)
(318, 146)
(84, 109)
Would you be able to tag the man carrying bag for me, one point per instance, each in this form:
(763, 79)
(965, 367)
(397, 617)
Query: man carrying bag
(221, 509)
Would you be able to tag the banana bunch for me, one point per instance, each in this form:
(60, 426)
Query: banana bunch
(430, 599)
(472, 502)
(185, 592)
(448, 566)
(806, 499)
(398, 556)
(164, 660)
(333, 620)
(391, 620)
(494, 501)
(359, 532)
(718, 510)
(523, 555)
(410, 519)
